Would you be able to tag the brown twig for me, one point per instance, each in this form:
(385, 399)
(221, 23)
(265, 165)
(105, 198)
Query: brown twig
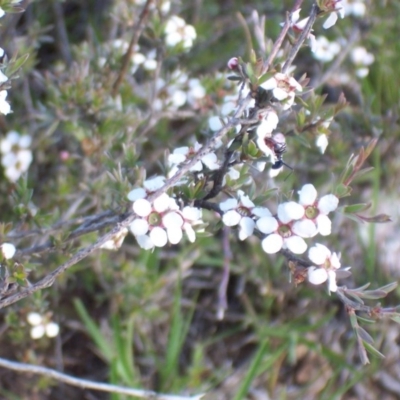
(281, 38)
(134, 40)
(303, 36)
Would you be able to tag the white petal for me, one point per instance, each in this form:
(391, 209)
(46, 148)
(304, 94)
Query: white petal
(332, 287)
(269, 84)
(142, 207)
(280, 94)
(316, 276)
(245, 201)
(331, 20)
(322, 142)
(215, 123)
(161, 203)
(158, 236)
(318, 254)
(145, 242)
(231, 218)
(335, 261)
(228, 204)
(267, 224)
(191, 234)
(324, 225)
(295, 244)
(52, 329)
(197, 167)
(176, 159)
(3, 78)
(290, 211)
(305, 228)
(307, 195)
(261, 212)
(210, 161)
(246, 228)
(192, 213)
(139, 227)
(174, 234)
(34, 318)
(8, 250)
(37, 332)
(172, 220)
(135, 194)
(272, 243)
(154, 184)
(328, 203)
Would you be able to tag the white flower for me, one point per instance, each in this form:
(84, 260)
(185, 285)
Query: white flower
(177, 31)
(336, 7)
(8, 250)
(283, 88)
(161, 221)
(2, 13)
(324, 50)
(16, 155)
(182, 154)
(240, 212)
(322, 142)
(5, 108)
(41, 325)
(326, 265)
(279, 229)
(315, 212)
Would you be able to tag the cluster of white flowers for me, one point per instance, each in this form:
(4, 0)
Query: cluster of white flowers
(293, 223)
(16, 155)
(182, 154)
(7, 250)
(42, 325)
(177, 90)
(161, 221)
(119, 47)
(177, 32)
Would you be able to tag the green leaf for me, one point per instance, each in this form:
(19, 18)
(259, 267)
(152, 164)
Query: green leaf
(373, 351)
(354, 208)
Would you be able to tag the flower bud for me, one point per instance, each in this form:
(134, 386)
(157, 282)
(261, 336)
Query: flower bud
(233, 63)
